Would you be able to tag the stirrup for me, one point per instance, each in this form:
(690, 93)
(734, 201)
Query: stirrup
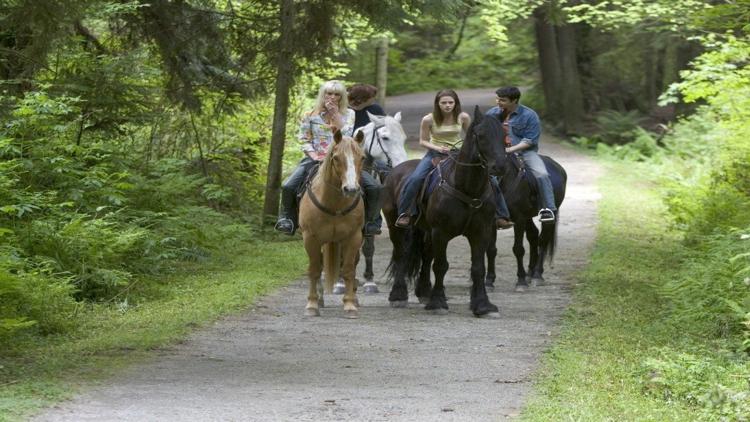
(400, 221)
(285, 225)
(546, 215)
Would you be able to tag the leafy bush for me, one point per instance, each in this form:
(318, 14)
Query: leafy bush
(696, 379)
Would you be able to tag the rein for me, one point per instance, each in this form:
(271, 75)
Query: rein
(376, 135)
(339, 213)
(474, 203)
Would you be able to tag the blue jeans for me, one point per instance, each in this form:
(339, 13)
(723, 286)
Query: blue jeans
(501, 208)
(407, 200)
(534, 163)
(370, 187)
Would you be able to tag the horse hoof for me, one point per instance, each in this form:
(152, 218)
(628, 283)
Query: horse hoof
(424, 300)
(311, 312)
(438, 311)
(489, 315)
(371, 288)
(536, 282)
(339, 288)
(399, 303)
(520, 288)
(321, 303)
(351, 314)
(489, 287)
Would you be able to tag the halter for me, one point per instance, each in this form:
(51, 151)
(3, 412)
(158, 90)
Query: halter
(320, 206)
(376, 135)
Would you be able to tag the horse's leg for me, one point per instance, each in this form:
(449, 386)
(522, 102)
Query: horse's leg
(399, 295)
(424, 287)
(350, 252)
(518, 232)
(480, 304)
(368, 250)
(489, 278)
(532, 235)
(546, 236)
(314, 269)
(438, 301)
(339, 287)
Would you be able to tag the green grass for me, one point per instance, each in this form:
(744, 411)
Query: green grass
(38, 372)
(620, 355)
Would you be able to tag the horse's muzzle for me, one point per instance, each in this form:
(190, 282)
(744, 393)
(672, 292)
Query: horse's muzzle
(350, 191)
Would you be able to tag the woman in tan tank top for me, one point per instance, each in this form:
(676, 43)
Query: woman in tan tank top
(440, 131)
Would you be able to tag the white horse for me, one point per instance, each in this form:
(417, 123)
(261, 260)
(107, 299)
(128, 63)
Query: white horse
(385, 139)
(384, 149)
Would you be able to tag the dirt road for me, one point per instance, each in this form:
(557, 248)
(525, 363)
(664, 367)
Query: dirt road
(273, 364)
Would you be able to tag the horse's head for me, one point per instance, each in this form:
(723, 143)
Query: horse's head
(487, 132)
(385, 139)
(345, 161)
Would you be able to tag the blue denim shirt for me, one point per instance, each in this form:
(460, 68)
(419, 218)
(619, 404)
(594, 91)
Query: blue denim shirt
(524, 125)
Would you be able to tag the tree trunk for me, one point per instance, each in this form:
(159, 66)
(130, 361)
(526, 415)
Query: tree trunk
(381, 69)
(548, 65)
(571, 81)
(284, 81)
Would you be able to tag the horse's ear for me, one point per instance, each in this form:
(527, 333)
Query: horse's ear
(478, 116)
(337, 136)
(397, 116)
(378, 120)
(359, 137)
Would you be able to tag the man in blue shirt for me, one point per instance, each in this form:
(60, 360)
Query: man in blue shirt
(522, 130)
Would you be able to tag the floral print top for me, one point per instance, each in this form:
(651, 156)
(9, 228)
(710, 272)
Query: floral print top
(316, 135)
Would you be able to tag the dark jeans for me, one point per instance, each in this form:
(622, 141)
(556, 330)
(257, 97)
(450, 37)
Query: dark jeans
(370, 186)
(407, 200)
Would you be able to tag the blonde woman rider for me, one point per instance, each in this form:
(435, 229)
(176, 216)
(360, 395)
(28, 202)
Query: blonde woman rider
(316, 130)
(440, 132)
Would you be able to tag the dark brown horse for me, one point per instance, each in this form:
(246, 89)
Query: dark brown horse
(519, 190)
(462, 204)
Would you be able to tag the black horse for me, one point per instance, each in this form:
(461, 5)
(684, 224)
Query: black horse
(461, 204)
(519, 189)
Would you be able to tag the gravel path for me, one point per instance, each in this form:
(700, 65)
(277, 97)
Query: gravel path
(273, 364)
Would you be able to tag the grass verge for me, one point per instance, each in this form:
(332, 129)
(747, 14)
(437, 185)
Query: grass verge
(41, 371)
(621, 355)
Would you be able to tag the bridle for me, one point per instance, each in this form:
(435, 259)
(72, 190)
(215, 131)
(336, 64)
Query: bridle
(376, 136)
(482, 159)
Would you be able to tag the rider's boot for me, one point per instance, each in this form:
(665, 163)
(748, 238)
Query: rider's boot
(372, 211)
(285, 223)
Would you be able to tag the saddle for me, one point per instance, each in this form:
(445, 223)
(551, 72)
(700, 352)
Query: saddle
(440, 165)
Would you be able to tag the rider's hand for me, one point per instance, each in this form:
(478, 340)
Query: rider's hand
(444, 150)
(332, 107)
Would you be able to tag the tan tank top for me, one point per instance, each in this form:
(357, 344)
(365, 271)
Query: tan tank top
(446, 135)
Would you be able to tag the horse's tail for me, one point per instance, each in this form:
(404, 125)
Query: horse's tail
(549, 238)
(331, 264)
(407, 262)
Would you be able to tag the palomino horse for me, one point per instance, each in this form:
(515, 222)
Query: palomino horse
(523, 206)
(462, 204)
(331, 215)
(384, 149)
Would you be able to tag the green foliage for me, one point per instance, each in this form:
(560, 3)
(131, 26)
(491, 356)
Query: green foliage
(699, 378)
(422, 57)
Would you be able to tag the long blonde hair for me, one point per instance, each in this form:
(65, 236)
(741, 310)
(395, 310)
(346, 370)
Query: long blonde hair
(331, 86)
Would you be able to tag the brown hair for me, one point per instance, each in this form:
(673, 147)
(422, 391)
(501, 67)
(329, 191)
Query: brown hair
(437, 114)
(360, 93)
